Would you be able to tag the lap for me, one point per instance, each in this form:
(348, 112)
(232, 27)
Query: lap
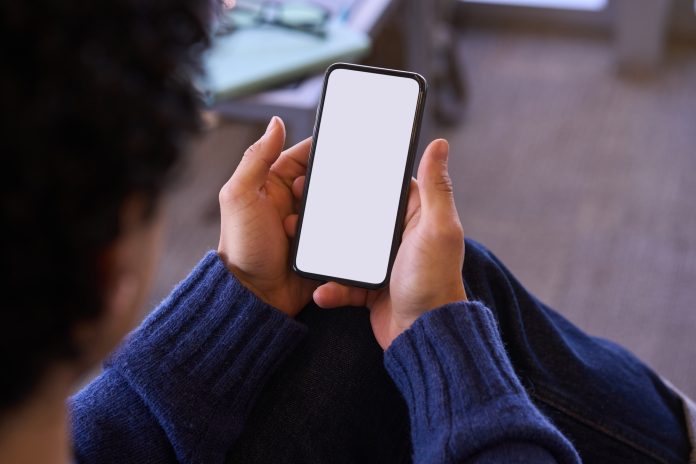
(332, 400)
(603, 398)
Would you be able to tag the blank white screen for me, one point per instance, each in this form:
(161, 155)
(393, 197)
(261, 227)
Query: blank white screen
(357, 172)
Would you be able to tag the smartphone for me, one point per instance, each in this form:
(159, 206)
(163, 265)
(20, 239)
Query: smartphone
(358, 174)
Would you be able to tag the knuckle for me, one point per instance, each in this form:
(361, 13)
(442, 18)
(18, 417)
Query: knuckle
(449, 232)
(457, 234)
(227, 194)
(444, 184)
(255, 147)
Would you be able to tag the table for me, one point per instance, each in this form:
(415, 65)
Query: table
(297, 104)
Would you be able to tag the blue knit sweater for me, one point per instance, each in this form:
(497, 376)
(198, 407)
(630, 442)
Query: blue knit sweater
(182, 385)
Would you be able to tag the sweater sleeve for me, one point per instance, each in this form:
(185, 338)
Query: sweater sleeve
(465, 402)
(183, 383)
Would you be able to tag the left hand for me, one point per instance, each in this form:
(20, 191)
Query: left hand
(254, 205)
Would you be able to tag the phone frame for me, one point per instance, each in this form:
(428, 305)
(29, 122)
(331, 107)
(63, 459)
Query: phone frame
(413, 145)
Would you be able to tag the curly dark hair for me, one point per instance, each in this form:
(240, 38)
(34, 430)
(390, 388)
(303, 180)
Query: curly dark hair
(97, 100)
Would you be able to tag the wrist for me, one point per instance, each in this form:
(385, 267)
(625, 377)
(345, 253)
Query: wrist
(274, 299)
(440, 296)
(402, 321)
(248, 283)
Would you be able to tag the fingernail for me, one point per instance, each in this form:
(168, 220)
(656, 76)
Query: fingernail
(271, 125)
(443, 149)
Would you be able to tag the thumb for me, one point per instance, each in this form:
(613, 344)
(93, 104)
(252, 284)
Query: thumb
(258, 158)
(434, 182)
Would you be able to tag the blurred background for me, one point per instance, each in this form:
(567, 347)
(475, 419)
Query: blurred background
(572, 126)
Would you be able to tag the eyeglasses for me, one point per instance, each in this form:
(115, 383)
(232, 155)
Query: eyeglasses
(304, 17)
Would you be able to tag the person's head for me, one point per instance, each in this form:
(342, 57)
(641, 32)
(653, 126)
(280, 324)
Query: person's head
(97, 101)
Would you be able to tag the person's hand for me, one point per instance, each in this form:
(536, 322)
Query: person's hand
(428, 264)
(254, 204)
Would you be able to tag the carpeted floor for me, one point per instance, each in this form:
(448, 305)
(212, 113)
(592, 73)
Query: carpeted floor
(581, 181)
(584, 183)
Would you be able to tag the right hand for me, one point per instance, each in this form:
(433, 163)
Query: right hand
(428, 265)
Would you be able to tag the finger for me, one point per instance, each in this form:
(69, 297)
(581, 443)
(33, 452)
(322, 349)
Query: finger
(290, 225)
(435, 185)
(258, 159)
(414, 202)
(335, 295)
(293, 162)
(298, 187)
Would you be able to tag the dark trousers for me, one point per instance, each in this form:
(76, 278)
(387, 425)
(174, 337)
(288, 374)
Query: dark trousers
(333, 402)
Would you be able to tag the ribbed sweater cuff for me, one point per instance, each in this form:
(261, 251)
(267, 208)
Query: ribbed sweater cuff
(201, 357)
(462, 393)
(452, 355)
